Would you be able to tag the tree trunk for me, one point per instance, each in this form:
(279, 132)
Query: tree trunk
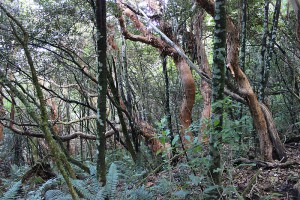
(296, 6)
(218, 81)
(268, 56)
(244, 87)
(167, 98)
(117, 103)
(185, 73)
(2, 112)
(101, 88)
(60, 158)
(205, 87)
(189, 89)
(263, 50)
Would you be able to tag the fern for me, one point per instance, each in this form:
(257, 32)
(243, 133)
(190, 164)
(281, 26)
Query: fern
(87, 187)
(112, 181)
(50, 184)
(139, 194)
(57, 194)
(13, 192)
(91, 189)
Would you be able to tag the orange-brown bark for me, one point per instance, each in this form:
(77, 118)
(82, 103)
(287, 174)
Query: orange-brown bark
(245, 88)
(111, 37)
(150, 135)
(205, 87)
(189, 89)
(186, 77)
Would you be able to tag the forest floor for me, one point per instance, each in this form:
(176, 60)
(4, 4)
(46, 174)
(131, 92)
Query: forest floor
(275, 181)
(251, 178)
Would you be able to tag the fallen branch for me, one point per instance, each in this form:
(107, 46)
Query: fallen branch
(251, 183)
(62, 138)
(265, 164)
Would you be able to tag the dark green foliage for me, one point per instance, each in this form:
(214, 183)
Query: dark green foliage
(57, 194)
(139, 194)
(13, 192)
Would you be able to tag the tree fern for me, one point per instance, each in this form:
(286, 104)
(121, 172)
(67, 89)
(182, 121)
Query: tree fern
(13, 192)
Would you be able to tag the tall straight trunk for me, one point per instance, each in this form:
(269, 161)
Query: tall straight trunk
(101, 88)
(218, 81)
(167, 97)
(1, 114)
(17, 139)
(243, 34)
(263, 50)
(270, 45)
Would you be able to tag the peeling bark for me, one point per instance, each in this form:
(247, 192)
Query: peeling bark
(149, 134)
(186, 76)
(244, 87)
(247, 92)
(189, 89)
(205, 87)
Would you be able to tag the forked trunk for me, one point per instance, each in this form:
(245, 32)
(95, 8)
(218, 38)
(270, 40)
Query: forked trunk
(247, 92)
(245, 89)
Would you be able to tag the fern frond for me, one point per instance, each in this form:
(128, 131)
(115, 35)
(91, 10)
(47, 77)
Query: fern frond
(48, 185)
(92, 168)
(100, 195)
(139, 194)
(112, 181)
(87, 187)
(57, 194)
(12, 193)
(142, 194)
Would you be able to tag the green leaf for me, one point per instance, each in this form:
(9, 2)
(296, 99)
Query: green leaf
(210, 188)
(175, 139)
(196, 179)
(217, 170)
(216, 122)
(181, 193)
(187, 137)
